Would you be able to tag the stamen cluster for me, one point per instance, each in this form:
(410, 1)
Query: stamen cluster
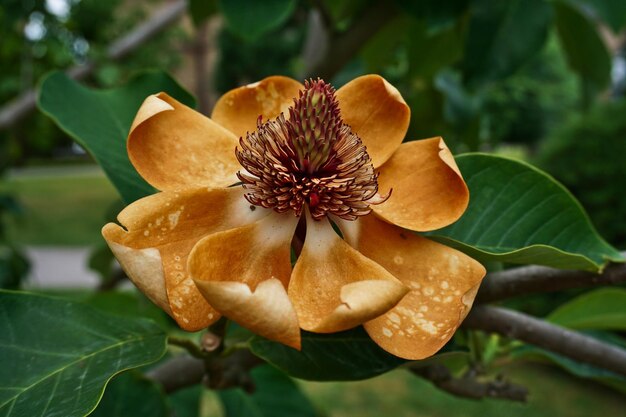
(312, 159)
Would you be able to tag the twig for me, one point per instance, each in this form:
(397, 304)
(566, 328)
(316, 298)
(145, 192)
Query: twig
(117, 277)
(535, 279)
(217, 373)
(21, 106)
(338, 49)
(468, 386)
(548, 336)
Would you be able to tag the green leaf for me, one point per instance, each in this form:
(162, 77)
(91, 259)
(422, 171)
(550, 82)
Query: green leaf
(436, 13)
(100, 120)
(275, 395)
(502, 36)
(585, 51)
(128, 395)
(251, 19)
(345, 356)
(128, 304)
(613, 12)
(186, 402)
(57, 356)
(201, 10)
(519, 214)
(602, 309)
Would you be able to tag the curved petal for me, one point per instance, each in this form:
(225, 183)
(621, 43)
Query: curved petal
(243, 273)
(334, 288)
(377, 113)
(443, 285)
(238, 110)
(155, 239)
(428, 191)
(175, 147)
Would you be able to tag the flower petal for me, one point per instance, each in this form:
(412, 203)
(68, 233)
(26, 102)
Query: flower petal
(443, 285)
(174, 147)
(157, 235)
(377, 113)
(428, 189)
(238, 110)
(334, 288)
(243, 273)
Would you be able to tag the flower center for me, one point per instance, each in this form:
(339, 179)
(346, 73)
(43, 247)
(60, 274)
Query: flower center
(312, 159)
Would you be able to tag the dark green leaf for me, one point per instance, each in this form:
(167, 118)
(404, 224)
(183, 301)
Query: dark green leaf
(186, 402)
(100, 120)
(602, 309)
(57, 356)
(585, 51)
(275, 395)
(519, 214)
(201, 10)
(502, 36)
(251, 19)
(130, 395)
(436, 13)
(128, 304)
(613, 12)
(14, 267)
(345, 356)
(101, 261)
(430, 52)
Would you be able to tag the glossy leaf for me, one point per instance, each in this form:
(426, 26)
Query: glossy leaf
(129, 394)
(57, 356)
(602, 309)
(345, 356)
(251, 19)
(519, 214)
(275, 395)
(584, 49)
(502, 36)
(100, 120)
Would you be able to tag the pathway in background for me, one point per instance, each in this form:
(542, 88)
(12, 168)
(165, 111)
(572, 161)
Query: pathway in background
(56, 267)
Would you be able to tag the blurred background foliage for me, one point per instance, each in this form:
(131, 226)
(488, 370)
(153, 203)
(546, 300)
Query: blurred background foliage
(539, 80)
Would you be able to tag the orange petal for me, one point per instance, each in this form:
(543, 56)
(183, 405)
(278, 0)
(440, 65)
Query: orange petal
(239, 109)
(443, 285)
(428, 189)
(334, 288)
(243, 273)
(157, 235)
(377, 113)
(175, 147)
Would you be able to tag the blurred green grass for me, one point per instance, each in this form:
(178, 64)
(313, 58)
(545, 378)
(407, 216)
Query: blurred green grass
(61, 206)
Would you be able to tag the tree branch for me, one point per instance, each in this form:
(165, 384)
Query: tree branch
(548, 336)
(535, 279)
(21, 106)
(468, 386)
(338, 49)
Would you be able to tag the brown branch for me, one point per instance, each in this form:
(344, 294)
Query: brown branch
(339, 48)
(217, 373)
(537, 279)
(468, 386)
(21, 106)
(548, 336)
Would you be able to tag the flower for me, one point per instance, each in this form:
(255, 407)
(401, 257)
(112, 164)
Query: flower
(277, 160)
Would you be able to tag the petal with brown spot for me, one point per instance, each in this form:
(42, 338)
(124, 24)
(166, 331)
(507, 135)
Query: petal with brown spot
(443, 284)
(428, 189)
(244, 272)
(334, 288)
(174, 147)
(155, 239)
(377, 113)
(238, 110)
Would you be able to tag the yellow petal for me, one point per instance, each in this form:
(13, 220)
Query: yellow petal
(428, 189)
(377, 113)
(175, 147)
(443, 285)
(239, 109)
(157, 235)
(243, 273)
(334, 288)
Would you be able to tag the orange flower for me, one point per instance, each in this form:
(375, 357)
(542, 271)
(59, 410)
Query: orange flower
(305, 157)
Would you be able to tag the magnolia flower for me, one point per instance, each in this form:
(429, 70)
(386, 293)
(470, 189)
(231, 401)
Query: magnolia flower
(278, 164)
